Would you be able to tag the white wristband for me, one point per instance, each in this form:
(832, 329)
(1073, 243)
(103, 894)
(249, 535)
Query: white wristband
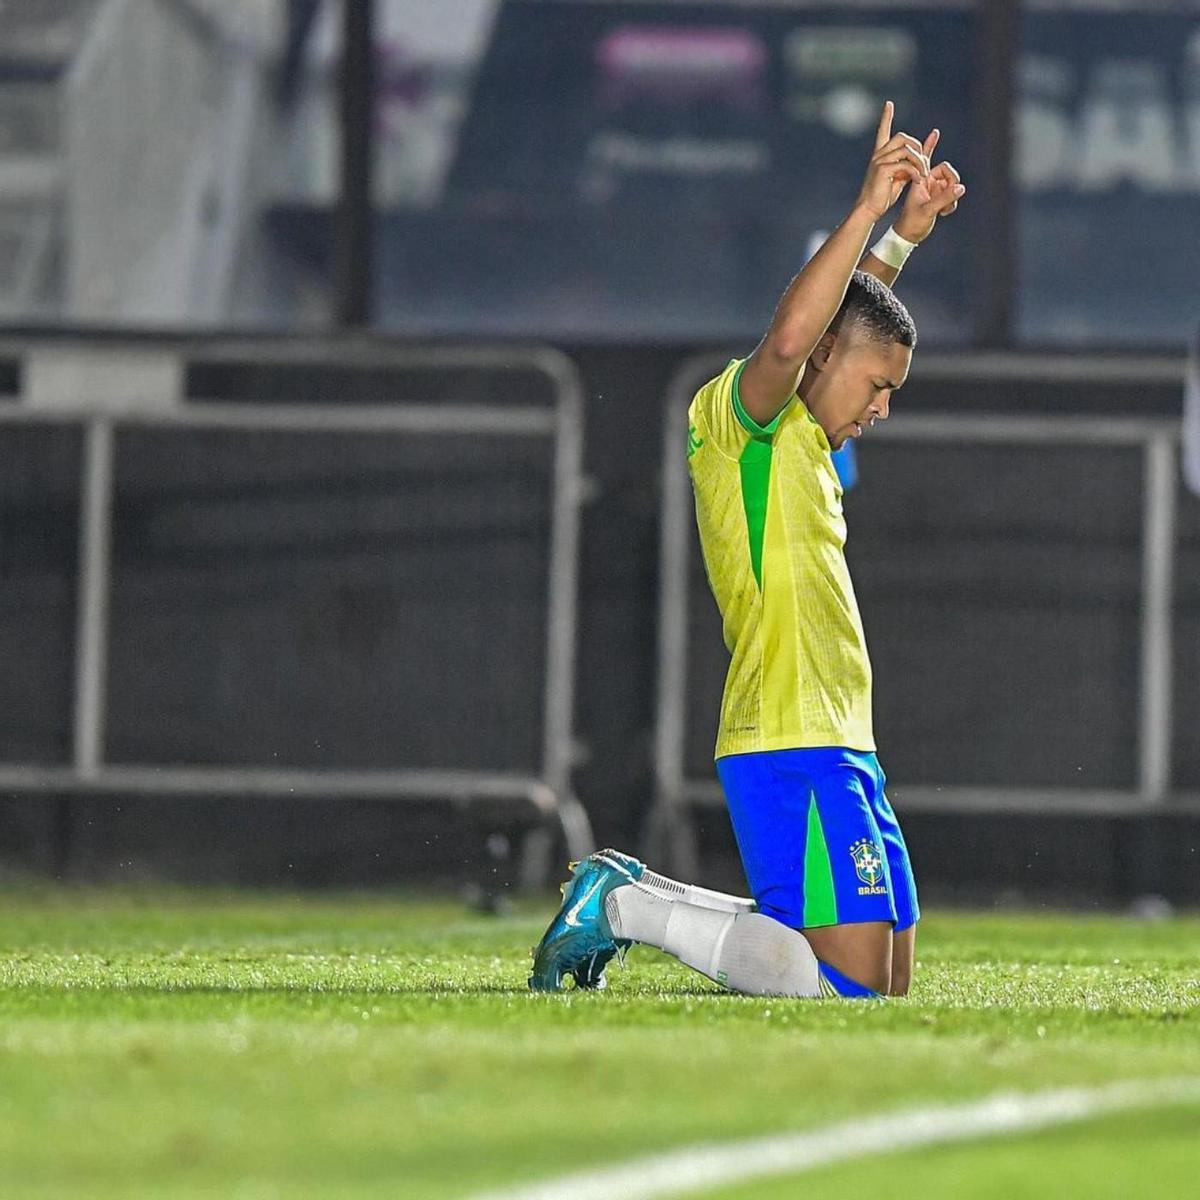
(893, 249)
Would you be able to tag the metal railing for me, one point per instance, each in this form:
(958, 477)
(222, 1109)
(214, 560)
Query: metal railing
(548, 789)
(670, 833)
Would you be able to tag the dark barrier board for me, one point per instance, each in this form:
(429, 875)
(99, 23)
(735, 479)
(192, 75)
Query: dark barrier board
(39, 541)
(332, 600)
(1108, 175)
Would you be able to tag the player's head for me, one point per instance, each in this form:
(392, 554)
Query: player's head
(863, 357)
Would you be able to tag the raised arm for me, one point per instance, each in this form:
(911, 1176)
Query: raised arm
(924, 202)
(814, 296)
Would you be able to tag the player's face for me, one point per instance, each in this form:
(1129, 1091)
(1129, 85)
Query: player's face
(853, 389)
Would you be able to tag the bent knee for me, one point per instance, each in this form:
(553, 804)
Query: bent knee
(862, 953)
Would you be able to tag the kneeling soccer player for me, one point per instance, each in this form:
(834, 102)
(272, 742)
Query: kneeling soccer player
(835, 905)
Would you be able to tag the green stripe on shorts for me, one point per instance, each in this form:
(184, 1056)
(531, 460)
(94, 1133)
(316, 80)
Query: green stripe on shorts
(820, 900)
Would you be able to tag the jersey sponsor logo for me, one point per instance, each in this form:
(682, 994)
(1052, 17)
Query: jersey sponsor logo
(868, 864)
(694, 442)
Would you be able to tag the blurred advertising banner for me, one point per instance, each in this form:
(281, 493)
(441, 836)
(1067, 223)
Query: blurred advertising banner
(1108, 167)
(655, 170)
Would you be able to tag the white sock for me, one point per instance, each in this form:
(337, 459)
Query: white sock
(745, 951)
(691, 894)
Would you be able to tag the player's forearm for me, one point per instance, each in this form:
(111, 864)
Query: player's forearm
(877, 267)
(814, 296)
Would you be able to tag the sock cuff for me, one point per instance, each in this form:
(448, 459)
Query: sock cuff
(652, 879)
(834, 983)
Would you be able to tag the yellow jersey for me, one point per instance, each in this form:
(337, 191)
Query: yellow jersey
(769, 511)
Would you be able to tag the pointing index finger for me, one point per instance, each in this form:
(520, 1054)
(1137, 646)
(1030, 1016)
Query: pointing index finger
(885, 125)
(931, 141)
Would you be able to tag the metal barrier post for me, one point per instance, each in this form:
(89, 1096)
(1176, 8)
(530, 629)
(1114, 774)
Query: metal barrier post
(95, 551)
(669, 834)
(1158, 543)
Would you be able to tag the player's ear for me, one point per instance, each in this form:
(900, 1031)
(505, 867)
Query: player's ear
(823, 351)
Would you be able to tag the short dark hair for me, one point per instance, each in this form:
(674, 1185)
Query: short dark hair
(872, 308)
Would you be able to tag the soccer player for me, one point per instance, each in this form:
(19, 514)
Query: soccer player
(835, 904)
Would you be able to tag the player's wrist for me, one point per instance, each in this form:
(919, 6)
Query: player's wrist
(893, 248)
(910, 234)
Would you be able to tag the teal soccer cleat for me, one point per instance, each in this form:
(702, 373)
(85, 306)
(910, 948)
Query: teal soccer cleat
(580, 941)
(589, 975)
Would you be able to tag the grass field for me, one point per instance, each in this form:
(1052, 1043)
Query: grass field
(190, 1044)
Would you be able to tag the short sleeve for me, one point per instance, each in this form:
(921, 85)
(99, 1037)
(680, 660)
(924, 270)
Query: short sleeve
(717, 409)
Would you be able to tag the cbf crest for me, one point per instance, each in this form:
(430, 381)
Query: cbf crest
(868, 863)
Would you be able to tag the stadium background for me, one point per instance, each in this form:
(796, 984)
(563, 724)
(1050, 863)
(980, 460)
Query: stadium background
(632, 184)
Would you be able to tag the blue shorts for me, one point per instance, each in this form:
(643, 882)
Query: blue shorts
(818, 838)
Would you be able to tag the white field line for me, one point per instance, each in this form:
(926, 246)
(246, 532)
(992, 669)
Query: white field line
(711, 1165)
